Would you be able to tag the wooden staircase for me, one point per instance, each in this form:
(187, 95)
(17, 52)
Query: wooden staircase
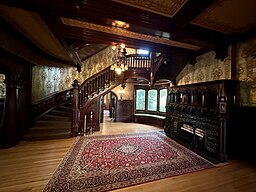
(54, 125)
(66, 120)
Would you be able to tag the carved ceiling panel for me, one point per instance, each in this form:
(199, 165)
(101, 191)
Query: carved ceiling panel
(166, 8)
(128, 34)
(229, 16)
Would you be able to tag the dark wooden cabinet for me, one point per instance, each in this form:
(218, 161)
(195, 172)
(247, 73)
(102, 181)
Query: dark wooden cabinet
(124, 111)
(197, 116)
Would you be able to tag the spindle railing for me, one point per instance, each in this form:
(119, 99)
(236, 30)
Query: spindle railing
(98, 84)
(136, 61)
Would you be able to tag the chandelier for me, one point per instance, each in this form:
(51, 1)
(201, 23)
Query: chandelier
(119, 62)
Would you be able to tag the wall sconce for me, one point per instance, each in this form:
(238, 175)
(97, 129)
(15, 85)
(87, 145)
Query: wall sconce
(121, 93)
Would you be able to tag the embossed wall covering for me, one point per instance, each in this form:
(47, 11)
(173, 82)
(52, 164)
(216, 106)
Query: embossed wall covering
(207, 68)
(247, 71)
(2, 86)
(128, 91)
(49, 80)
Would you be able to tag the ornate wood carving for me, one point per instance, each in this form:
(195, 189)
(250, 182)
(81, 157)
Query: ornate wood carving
(200, 106)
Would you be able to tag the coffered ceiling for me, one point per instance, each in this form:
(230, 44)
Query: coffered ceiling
(72, 30)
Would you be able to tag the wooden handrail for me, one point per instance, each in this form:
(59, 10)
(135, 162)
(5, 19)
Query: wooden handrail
(101, 82)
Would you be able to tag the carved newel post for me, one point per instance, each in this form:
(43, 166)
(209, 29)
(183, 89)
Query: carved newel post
(75, 116)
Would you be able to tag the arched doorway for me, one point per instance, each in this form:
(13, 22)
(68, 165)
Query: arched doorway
(108, 107)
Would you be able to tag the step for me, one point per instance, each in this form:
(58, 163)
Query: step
(60, 113)
(52, 117)
(52, 123)
(69, 104)
(64, 108)
(49, 130)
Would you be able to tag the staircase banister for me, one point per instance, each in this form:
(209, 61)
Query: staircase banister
(87, 103)
(137, 55)
(93, 77)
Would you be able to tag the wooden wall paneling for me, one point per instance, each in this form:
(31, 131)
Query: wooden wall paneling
(124, 111)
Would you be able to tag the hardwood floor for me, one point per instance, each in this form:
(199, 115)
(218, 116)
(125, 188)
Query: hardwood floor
(29, 166)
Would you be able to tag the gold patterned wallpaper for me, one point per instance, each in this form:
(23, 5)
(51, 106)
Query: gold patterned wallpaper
(247, 71)
(50, 80)
(208, 68)
(2, 86)
(128, 91)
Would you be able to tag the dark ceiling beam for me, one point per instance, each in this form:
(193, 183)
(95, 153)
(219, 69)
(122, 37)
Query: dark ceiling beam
(177, 26)
(236, 38)
(184, 31)
(20, 37)
(205, 34)
(104, 11)
(105, 38)
(55, 25)
(188, 12)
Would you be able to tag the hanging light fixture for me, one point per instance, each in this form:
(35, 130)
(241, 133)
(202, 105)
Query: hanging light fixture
(119, 60)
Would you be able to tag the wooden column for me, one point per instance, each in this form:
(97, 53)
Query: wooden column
(21, 109)
(223, 128)
(75, 116)
(9, 134)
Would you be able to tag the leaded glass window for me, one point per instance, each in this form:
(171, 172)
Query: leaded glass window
(152, 100)
(140, 99)
(162, 103)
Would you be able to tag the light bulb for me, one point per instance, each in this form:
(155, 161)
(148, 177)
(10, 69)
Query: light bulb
(118, 71)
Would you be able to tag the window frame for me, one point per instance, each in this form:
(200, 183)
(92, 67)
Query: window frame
(145, 104)
(147, 88)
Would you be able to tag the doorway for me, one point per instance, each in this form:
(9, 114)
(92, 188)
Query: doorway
(108, 107)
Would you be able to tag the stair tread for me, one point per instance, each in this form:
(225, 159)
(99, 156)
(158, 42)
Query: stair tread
(48, 128)
(53, 125)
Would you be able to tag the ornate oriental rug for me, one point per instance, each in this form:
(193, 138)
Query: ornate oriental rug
(103, 163)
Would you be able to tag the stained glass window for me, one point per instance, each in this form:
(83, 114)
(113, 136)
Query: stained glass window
(140, 99)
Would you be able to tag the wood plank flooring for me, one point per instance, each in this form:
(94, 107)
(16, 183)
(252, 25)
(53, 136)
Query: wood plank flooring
(29, 166)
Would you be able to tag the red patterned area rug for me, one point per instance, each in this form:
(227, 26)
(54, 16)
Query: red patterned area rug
(103, 163)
